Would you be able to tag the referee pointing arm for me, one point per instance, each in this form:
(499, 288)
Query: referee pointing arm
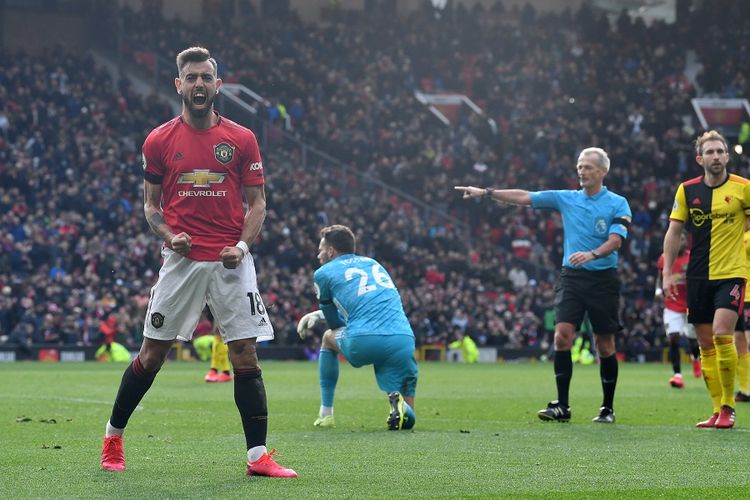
(595, 223)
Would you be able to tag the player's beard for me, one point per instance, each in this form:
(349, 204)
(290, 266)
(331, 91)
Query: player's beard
(201, 112)
(716, 168)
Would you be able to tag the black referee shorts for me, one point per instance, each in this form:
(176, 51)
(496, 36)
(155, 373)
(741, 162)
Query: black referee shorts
(579, 291)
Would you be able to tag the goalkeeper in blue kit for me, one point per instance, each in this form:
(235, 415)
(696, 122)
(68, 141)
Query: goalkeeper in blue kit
(366, 323)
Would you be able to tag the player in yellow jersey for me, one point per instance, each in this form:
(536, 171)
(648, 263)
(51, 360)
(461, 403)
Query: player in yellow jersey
(220, 369)
(741, 336)
(714, 208)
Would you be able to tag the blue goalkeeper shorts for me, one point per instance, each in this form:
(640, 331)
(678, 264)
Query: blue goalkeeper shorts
(392, 357)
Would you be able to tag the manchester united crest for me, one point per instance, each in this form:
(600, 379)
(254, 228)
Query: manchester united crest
(157, 320)
(223, 153)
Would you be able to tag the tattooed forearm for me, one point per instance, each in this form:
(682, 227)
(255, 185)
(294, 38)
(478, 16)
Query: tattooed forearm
(152, 212)
(156, 220)
(158, 224)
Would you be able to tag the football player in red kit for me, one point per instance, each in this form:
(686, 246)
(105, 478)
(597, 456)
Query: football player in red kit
(198, 167)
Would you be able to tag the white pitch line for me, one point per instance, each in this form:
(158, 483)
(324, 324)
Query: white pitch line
(74, 400)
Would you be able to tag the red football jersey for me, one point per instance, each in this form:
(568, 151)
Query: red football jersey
(202, 174)
(679, 266)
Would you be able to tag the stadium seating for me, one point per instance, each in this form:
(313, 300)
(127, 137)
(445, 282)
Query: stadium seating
(76, 247)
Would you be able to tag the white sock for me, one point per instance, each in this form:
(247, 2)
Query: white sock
(325, 411)
(255, 453)
(112, 431)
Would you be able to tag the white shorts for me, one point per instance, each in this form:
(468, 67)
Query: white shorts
(675, 322)
(185, 286)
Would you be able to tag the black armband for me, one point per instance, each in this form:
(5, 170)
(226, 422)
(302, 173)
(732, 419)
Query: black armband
(153, 178)
(621, 220)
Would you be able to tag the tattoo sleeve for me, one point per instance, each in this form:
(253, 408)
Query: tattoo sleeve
(156, 221)
(154, 217)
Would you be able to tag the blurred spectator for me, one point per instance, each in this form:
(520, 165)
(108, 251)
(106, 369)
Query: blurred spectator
(467, 346)
(71, 180)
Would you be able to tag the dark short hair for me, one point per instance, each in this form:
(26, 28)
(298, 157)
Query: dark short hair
(194, 54)
(340, 237)
(711, 135)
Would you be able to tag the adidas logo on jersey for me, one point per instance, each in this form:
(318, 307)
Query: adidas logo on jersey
(696, 201)
(262, 322)
(177, 156)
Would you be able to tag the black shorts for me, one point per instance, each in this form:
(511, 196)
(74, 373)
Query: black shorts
(597, 293)
(743, 322)
(706, 296)
(742, 319)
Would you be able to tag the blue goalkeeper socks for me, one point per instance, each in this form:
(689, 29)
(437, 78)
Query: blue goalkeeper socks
(328, 365)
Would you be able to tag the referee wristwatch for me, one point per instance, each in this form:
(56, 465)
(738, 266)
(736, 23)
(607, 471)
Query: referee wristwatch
(595, 254)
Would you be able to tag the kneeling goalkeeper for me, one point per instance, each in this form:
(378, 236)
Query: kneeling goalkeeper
(367, 324)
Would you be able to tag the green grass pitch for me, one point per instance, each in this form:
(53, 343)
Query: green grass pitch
(477, 435)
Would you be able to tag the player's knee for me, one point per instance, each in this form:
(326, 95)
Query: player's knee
(152, 355)
(329, 340)
(151, 362)
(563, 344)
(564, 340)
(243, 354)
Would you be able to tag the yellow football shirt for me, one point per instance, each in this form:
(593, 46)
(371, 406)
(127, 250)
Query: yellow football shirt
(715, 217)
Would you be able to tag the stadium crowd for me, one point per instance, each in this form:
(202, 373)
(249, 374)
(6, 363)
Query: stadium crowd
(78, 259)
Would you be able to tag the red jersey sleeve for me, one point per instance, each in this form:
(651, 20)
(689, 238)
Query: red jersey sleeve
(251, 170)
(153, 164)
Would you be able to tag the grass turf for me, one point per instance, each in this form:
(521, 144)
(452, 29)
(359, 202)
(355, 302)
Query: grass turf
(477, 435)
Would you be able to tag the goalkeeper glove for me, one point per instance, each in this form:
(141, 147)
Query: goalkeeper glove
(307, 322)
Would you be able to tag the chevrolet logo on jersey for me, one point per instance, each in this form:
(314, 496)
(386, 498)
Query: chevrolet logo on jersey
(201, 178)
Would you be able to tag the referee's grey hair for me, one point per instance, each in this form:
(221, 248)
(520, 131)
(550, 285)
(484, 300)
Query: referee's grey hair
(600, 153)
